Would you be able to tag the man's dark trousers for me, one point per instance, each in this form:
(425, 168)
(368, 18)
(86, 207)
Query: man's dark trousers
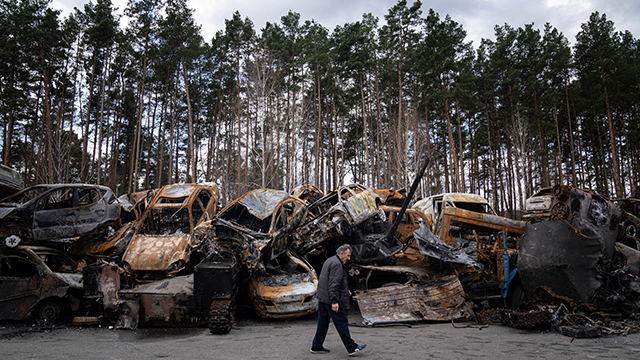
(341, 323)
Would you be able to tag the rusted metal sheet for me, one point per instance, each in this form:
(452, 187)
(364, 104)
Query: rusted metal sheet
(165, 302)
(101, 283)
(441, 299)
(262, 203)
(460, 223)
(285, 296)
(374, 276)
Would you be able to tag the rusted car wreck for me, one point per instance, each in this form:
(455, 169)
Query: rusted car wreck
(38, 282)
(256, 229)
(165, 237)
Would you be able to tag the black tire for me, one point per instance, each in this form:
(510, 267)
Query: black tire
(51, 311)
(518, 296)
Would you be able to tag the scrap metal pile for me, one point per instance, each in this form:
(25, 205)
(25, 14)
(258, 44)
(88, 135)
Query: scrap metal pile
(578, 248)
(170, 257)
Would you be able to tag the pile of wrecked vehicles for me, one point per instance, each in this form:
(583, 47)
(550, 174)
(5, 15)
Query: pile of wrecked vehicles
(172, 257)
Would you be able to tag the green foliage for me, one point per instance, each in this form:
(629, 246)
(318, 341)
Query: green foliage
(298, 102)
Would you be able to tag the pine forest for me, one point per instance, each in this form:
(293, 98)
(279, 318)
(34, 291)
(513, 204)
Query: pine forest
(138, 104)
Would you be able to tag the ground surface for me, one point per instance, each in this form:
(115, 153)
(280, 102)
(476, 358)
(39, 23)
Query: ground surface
(254, 338)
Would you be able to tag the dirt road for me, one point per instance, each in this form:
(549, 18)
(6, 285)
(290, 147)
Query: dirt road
(259, 339)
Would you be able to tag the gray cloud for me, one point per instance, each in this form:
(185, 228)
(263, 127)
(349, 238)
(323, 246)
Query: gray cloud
(478, 17)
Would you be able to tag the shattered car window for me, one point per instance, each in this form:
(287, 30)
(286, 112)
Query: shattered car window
(15, 266)
(88, 196)
(58, 199)
(475, 207)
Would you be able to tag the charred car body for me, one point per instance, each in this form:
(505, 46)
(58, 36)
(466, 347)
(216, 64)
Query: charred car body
(39, 282)
(58, 213)
(255, 229)
(165, 237)
(347, 215)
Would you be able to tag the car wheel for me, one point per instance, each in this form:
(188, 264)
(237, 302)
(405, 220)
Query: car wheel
(51, 311)
(517, 296)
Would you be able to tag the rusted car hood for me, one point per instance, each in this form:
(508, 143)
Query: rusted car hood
(262, 203)
(156, 253)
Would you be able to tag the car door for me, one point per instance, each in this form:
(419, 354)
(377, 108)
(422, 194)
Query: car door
(360, 206)
(55, 215)
(19, 286)
(91, 209)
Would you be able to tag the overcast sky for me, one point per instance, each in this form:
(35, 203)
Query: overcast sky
(478, 17)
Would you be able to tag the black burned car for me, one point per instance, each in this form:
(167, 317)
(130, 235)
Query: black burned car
(57, 213)
(256, 228)
(39, 282)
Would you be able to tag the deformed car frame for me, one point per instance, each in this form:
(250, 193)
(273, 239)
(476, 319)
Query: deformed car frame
(38, 281)
(57, 213)
(256, 229)
(336, 215)
(165, 237)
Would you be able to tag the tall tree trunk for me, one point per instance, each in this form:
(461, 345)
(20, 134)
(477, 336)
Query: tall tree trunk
(571, 140)
(190, 152)
(105, 74)
(612, 139)
(85, 138)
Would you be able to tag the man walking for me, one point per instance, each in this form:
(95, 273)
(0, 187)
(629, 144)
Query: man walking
(333, 296)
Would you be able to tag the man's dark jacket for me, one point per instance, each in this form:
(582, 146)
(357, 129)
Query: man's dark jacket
(332, 284)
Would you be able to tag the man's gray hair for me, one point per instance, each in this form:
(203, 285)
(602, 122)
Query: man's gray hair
(343, 248)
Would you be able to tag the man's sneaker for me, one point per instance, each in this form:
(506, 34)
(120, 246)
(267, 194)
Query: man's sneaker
(322, 351)
(357, 350)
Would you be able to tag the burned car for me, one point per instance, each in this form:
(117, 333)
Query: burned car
(57, 213)
(165, 239)
(133, 207)
(287, 293)
(469, 223)
(256, 229)
(350, 212)
(432, 206)
(538, 206)
(39, 282)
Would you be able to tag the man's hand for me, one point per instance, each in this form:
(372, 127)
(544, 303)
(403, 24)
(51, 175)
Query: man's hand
(335, 307)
